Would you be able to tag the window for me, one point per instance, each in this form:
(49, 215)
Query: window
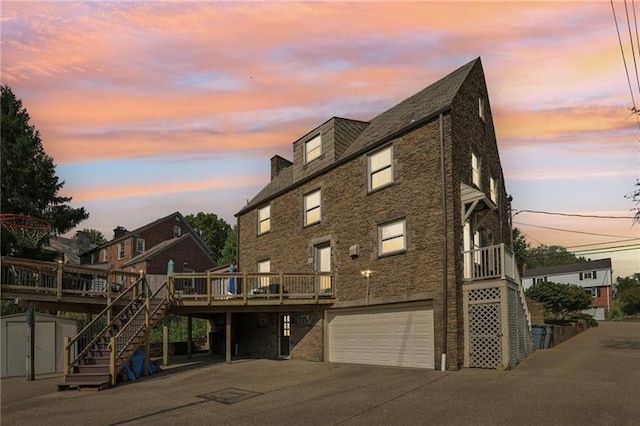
(380, 168)
(312, 149)
(392, 238)
(120, 250)
(493, 190)
(540, 280)
(592, 291)
(264, 267)
(103, 255)
(140, 245)
(481, 108)
(587, 275)
(177, 230)
(312, 208)
(264, 219)
(475, 170)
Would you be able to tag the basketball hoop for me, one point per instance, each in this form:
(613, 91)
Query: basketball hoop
(27, 230)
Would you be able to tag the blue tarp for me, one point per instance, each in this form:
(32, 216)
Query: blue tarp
(231, 284)
(135, 366)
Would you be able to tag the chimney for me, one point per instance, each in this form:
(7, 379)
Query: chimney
(119, 232)
(277, 164)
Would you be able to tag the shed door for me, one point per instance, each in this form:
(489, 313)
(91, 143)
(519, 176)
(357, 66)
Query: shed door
(390, 335)
(16, 350)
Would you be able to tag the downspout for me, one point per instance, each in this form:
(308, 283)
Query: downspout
(443, 360)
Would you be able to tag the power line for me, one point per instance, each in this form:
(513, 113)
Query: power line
(572, 214)
(633, 52)
(608, 251)
(573, 231)
(604, 242)
(624, 60)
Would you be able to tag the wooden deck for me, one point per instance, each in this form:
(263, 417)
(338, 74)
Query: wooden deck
(57, 286)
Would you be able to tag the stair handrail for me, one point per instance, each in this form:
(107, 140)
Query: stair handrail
(104, 313)
(117, 350)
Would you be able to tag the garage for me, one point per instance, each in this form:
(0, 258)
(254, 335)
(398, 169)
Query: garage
(397, 335)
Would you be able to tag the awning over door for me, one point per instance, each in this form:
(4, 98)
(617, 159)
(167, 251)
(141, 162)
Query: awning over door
(473, 200)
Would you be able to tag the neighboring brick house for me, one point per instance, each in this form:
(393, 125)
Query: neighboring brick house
(387, 206)
(150, 247)
(594, 276)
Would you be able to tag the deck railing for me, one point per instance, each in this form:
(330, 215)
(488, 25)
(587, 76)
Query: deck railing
(59, 279)
(251, 286)
(490, 262)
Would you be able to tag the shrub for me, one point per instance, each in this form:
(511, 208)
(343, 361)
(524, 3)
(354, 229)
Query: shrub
(559, 299)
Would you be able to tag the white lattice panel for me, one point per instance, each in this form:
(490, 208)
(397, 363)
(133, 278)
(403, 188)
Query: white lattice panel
(485, 333)
(480, 294)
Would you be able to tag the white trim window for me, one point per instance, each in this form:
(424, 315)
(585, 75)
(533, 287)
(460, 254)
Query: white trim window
(312, 149)
(493, 190)
(312, 211)
(177, 230)
(481, 109)
(140, 246)
(380, 168)
(264, 219)
(475, 170)
(392, 237)
(103, 255)
(264, 267)
(121, 250)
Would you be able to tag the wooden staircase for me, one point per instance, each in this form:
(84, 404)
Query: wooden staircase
(99, 353)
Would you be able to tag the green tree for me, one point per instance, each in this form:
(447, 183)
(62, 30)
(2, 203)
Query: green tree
(628, 294)
(520, 248)
(27, 174)
(559, 299)
(212, 229)
(541, 256)
(229, 252)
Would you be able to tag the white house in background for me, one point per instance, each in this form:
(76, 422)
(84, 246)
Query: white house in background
(594, 276)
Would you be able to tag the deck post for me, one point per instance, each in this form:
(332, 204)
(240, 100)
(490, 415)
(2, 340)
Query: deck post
(59, 279)
(165, 341)
(66, 356)
(189, 337)
(31, 342)
(147, 330)
(209, 284)
(228, 338)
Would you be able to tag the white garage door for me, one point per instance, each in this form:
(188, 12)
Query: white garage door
(399, 336)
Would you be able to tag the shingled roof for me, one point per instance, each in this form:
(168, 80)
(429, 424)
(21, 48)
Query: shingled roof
(591, 265)
(425, 104)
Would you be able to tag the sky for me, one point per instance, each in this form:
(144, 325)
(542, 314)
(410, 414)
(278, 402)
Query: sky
(148, 108)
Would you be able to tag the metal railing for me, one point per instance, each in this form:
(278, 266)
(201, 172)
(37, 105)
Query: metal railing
(59, 279)
(251, 286)
(141, 319)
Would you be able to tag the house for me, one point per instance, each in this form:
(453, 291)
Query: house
(149, 248)
(594, 276)
(409, 214)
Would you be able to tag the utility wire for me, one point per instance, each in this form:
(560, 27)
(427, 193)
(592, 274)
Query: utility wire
(572, 214)
(633, 52)
(635, 22)
(633, 101)
(604, 242)
(573, 231)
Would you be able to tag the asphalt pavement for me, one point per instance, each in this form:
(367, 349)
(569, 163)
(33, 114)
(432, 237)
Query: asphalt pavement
(593, 378)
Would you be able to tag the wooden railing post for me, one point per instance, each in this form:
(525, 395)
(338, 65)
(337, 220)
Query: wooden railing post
(209, 285)
(147, 329)
(244, 287)
(281, 289)
(59, 279)
(502, 260)
(66, 356)
(316, 287)
(112, 361)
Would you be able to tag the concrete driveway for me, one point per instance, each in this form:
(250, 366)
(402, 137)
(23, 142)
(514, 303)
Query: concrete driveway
(593, 378)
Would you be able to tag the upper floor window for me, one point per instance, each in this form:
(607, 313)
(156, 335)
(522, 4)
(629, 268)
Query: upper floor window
(177, 230)
(588, 275)
(481, 111)
(380, 168)
(392, 237)
(312, 208)
(475, 170)
(264, 219)
(121, 250)
(140, 245)
(540, 280)
(103, 255)
(493, 190)
(312, 149)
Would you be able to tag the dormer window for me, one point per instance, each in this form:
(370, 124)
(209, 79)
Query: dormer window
(312, 149)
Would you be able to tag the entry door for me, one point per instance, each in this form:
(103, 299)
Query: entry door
(284, 335)
(323, 264)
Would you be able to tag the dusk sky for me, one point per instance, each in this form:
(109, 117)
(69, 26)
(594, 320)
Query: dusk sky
(154, 107)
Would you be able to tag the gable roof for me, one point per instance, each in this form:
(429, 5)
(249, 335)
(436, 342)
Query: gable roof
(159, 248)
(412, 112)
(590, 265)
